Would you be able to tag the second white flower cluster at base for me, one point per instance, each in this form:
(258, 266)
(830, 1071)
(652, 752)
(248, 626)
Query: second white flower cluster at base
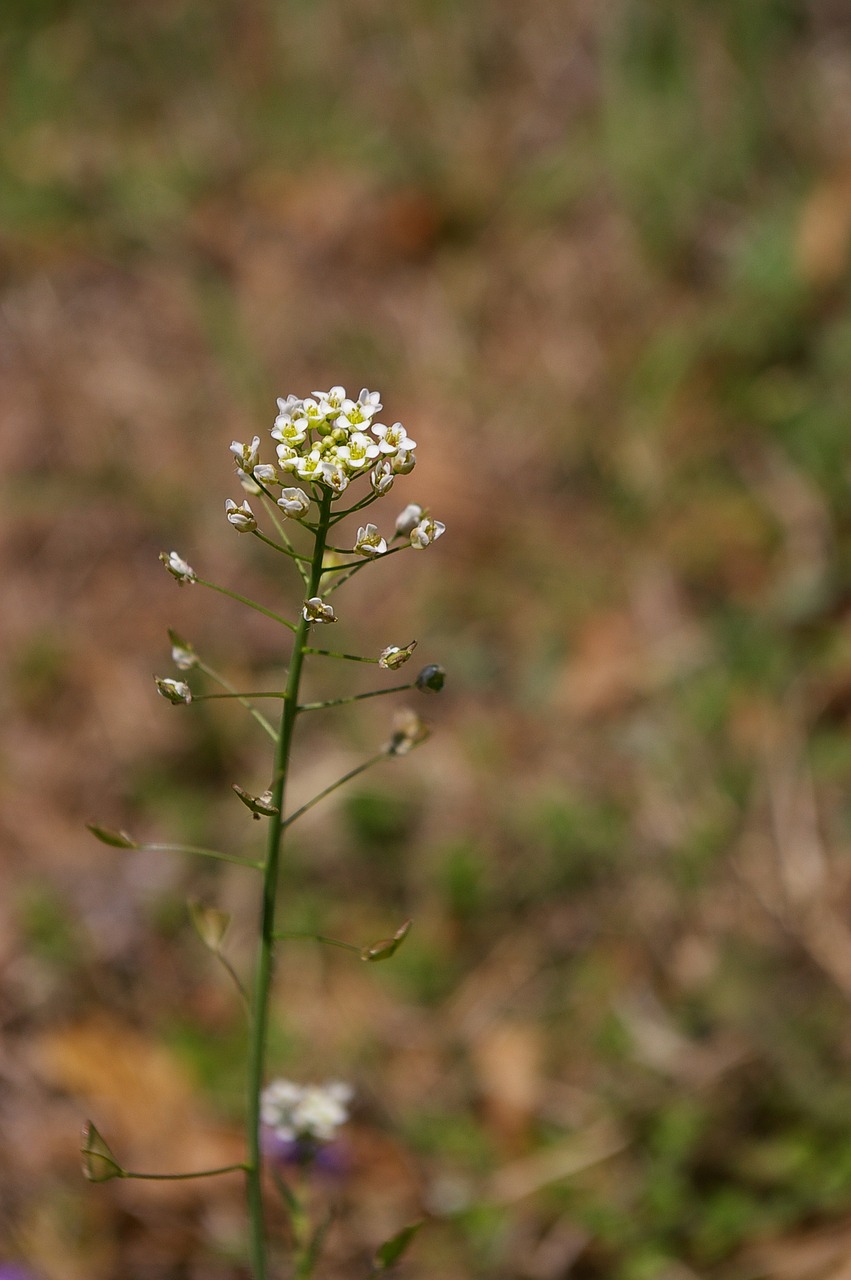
(311, 1112)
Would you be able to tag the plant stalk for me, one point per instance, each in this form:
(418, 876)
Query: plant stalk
(265, 959)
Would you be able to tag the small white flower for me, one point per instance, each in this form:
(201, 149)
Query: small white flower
(409, 518)
(370, 402)
(404, 462)
(331, 402)
(426, 532)
(396, 655)
(359, 451)
(288, 430)
(177, 568)
(266, 473)
(321, 1110)
(381, 478)
(241, 517)
(331, 473)
(292, 406)
(369, 542)
(315, 611)
(288, 457)
(183, 655)
(360, 411)
(175, 691)
(392, 439)
(308, 1112)
(294, 502)
(247, 455)
(312, 410)
(307, 468)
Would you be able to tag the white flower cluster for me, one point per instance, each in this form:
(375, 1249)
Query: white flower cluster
(329, 438)
(305, 1111)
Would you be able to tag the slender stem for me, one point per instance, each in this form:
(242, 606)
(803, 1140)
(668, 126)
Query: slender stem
(349, 657)
(252, 604)
(320, 937)
(258, 693)
(351, 569)
(339, 702)
(201, 853)
(226, 684)
(350, 564)
(181, 1177)
(235, 978)
(358, 506)
(272, 509)
(263, 973)
(278, 546)
(347, 777)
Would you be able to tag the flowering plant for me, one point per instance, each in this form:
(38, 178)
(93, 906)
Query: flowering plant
(327, 442)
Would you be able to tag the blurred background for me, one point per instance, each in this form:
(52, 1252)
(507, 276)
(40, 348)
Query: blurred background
(596, 259)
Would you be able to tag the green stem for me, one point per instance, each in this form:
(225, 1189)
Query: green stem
(347, 777)
(320, 937)
(201, 853)
(272, 509)
(279, 546)
(253, 693)
(349, 570)
(252, 604)
(349, 657)
(236, 980)
(181, 1177)
(359, 506)
(265, 959)
(258, 716)
(340, 702)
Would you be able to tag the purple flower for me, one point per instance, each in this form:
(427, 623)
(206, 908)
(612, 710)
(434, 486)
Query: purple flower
(328, 1158)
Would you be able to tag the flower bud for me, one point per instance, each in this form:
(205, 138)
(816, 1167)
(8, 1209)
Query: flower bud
(407, 520)
(386, 947)
(432, 677)
(408, 732)
(177, 568)
(116, 839)
(176, 691)
(99, 1164)
(396, 655)
(251, 486)
(381, 478)
(315, 611)
(287, 457)
(247, 455)
(403, 462)
(261, 806)
(209, 923)
(426, 532)
(241, 517)
(183, 655)
(266, 473)
(333, 475)
(294, 503)
(369, 542)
